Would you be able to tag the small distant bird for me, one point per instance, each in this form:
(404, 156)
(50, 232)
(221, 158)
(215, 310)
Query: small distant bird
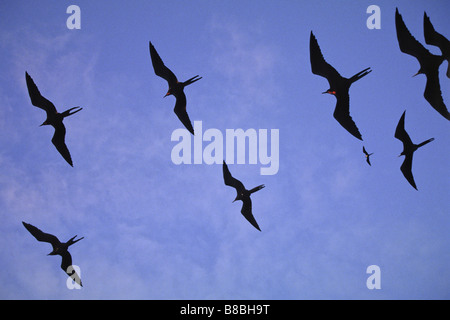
(429, 63)
(242, 194)
(339, 86)
(175, 87)
(367, 155)
(54, 118)
(59, 248)
(408, 149)
(432, 37)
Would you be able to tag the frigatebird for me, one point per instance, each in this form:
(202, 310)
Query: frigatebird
(176, 88)
(339, 86)
(367, 155)
(242, 194)
(54, 118)
(434, 38)
(59, 248)
(408, 149)
(429, 64)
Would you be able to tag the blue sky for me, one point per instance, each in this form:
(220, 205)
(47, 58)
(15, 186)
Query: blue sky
(156, 230)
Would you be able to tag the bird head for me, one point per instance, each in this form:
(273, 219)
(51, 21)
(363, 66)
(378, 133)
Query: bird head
(168, 93)
(53, 253)
(419, 72)
(330, 91)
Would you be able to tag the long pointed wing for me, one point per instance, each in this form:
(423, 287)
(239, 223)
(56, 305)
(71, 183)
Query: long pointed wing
(408, 44)
(406, 169)
(160, 69)
(180, 111)
(433, 94)
(247, 212)
(58, 141)
(400, 132)
(66, 266)
(318, 64)
(342, 115)
(230, 181)
(42, 236)
(434, 38)
(36, 98)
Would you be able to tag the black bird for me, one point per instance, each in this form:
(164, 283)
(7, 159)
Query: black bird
(432, 37)
(54, 118)
(367, 155)
(339, 86)
(175, 87)
(242, 194)
(59, 248)
(408, 149)
(429, 65)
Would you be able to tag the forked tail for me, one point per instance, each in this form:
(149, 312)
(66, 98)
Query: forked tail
(71, 241)
(360, 74)
(256, 188)
(425, 142)
(191, 80)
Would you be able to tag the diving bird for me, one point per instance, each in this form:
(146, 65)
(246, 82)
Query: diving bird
(242, 194)
(339, 86)
(367, 155)
(429, 64)
(408, 149)
(176, 88)
(59, 248)
(434, 38)
(54, 118)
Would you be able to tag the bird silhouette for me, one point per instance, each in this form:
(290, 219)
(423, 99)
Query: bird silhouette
(367, 155)
(339, 86)
(59, 248)
(242, 194)
(429, 64)
(54, 118)
(432, 37)
(176, 88)
(408, 149)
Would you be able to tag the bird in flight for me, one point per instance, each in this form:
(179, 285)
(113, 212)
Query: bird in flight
(59, 248)
(242, 194)
(176, 88)
(408, 150)
(339, 86)
(434, 38)
(54, 118)
(429, 63)
(367, 155)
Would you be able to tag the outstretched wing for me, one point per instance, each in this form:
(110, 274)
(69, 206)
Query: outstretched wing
(66, 265)
(318, 64)
(406, 169)
(247, 212)
(230, 181)
(434, 38)
(42, 236)
(37, 99)
(180, 111)
(407, 43)
(342, 114)
(58, 141)
(160, 69)
(433, 94)
(400, 132)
